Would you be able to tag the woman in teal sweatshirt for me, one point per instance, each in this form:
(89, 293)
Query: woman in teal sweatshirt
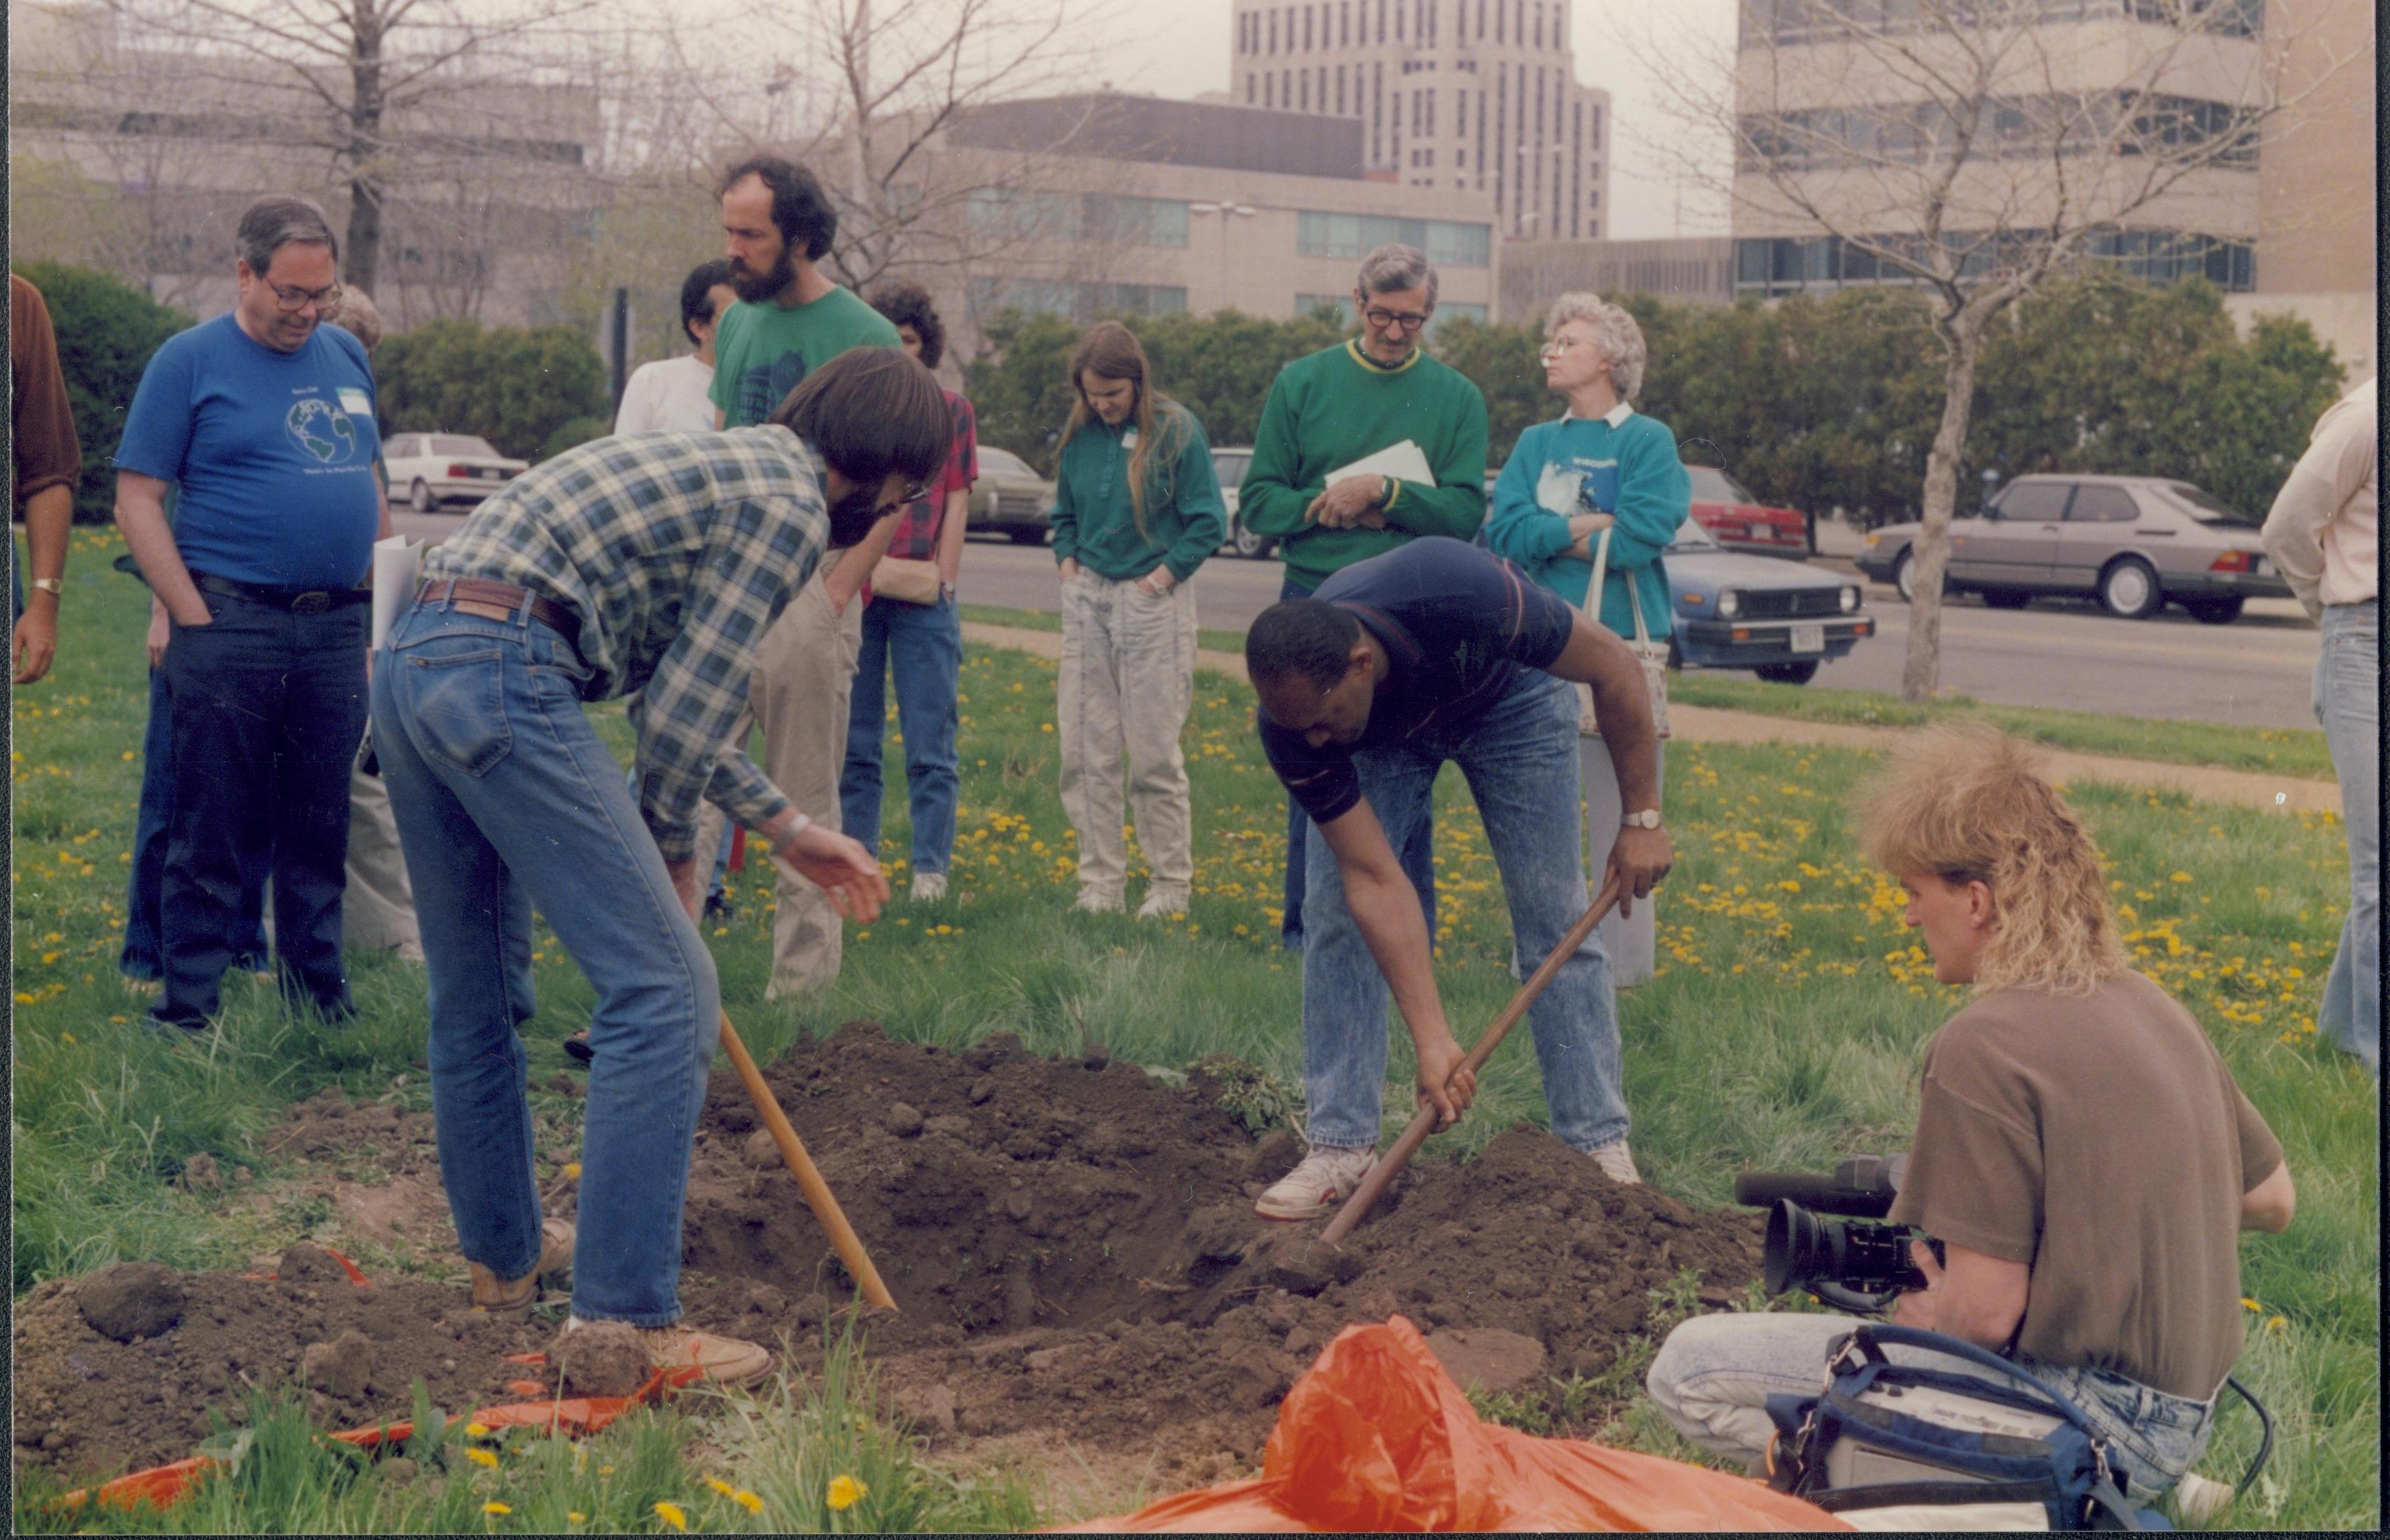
(1137, 510)
(1602, 468)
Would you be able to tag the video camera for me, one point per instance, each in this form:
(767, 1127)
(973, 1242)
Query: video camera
(1853, 1267)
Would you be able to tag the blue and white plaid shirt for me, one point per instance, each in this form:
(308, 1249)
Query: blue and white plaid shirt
(677, 552)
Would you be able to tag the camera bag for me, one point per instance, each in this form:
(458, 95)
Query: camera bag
(1902, 1445)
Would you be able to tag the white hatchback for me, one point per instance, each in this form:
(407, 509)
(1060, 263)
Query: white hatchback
(427, 470)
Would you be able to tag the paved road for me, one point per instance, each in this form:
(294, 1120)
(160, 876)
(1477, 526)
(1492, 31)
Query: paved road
(2254, 673)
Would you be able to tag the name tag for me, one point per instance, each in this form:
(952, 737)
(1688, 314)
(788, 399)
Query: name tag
(1128, 439)
(355, 402)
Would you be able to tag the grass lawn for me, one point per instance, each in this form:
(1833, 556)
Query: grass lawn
(1783, 1032)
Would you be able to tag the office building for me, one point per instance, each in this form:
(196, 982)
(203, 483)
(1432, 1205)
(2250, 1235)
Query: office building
(1685, 270)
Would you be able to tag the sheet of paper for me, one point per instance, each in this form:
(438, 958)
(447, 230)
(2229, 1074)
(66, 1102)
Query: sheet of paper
(397, 564)
(1405, 462)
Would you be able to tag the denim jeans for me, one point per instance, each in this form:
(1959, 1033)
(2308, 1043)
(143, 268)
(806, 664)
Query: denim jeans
(268, 708)
(1519, 757)
(2348, 673)
(506, 799)
(922, 644)
(145, 942)
(1714, 1373)
(1416, 851)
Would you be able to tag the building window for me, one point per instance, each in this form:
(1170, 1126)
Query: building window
(1094, 218)
(1451, 243)
(1455, 310)
(1249, 88)
(1340, 303)
(1786, 265)
(1269, 92)
(1080, 302)
(1345, 23)
(1306, 78)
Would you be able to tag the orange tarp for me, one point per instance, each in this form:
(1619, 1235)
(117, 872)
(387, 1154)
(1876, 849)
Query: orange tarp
(1376, 1436)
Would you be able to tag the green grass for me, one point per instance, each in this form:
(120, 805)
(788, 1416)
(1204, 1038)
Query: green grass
(1783, 1032)
(2290, 752)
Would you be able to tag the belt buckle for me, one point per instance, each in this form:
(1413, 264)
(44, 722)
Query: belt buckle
(311, 603)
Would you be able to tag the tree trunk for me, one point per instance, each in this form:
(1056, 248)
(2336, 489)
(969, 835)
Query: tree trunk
(363, 152)
(1931, 556)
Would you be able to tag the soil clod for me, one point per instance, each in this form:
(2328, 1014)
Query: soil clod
(601, 1359)
(341, 1367)
(130, 1300)
(201, 1174)
(303, 1265)
(1488, 1358)
(905, 1120)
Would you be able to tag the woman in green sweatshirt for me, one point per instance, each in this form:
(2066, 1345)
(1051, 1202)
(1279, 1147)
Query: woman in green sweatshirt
(1137, 510)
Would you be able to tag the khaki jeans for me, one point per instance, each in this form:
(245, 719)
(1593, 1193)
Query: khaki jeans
(1128, 680)
(804, 671)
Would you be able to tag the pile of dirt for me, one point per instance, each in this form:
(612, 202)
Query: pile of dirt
(1072, 1242)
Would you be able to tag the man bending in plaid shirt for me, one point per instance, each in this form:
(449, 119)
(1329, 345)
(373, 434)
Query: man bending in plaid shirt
(647, 565)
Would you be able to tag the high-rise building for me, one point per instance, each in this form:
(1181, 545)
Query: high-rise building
(1474, 95)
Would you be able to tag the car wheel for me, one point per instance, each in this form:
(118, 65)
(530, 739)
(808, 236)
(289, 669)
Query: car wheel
(1789, 674)
(2006, 598)
(418, 497)
(1032, 535)
(2130, 591)
(1904, 577)
(2216, 611)
(1246, 543)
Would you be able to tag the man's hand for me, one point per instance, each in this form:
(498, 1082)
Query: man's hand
(37, 639)
(1342, 505)
(1917, 1307)
(1157, 582)
(159, 630)
(1641, 858)
(1445, 1083)
(837, 865)
(684, 881)
(1068, 568)
(1972, 1296)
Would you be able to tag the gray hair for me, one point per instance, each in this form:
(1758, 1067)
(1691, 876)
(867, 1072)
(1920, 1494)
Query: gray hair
(1615, 332)
(1391, 269)
(359, 317)
(270, 224)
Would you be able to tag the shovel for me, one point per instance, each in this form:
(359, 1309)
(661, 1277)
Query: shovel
(1382, 1175)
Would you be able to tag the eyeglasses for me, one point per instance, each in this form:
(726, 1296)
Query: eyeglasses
(1559, 345)
(293, 300)
(1383, 320)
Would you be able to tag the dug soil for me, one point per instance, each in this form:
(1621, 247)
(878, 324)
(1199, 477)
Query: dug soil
(1072, 1244)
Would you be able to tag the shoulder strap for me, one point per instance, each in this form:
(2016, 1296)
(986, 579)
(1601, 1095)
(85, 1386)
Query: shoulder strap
(1592, 606)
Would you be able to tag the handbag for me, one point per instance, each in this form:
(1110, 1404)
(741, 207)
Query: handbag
(905, 580)
(1653, 655)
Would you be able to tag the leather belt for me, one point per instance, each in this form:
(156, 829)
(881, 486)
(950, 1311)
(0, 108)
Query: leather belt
(466, 592)
(299, 601)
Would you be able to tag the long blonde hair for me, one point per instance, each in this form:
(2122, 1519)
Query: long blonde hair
(1112, 351)
(1968, 804)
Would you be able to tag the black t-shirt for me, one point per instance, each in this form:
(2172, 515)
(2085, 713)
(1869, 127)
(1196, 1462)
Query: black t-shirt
(1458, 624)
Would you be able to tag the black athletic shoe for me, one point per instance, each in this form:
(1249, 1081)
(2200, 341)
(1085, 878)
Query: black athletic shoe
(577, 1048)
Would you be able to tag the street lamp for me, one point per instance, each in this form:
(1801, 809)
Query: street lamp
(1227, 212)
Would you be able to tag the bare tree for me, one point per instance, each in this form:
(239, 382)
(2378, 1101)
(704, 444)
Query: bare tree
(1972, 148)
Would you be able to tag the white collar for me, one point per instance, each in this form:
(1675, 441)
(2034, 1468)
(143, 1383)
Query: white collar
(1616, 417)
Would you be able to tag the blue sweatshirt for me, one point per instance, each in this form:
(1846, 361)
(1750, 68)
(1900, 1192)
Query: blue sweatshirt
(1624, 464)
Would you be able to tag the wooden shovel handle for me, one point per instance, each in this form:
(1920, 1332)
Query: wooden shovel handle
(1382, 1175)
(809, 1179)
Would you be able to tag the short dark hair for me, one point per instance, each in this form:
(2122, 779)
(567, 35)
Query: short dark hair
(871, 411)
(697, 294)
(270, 224)
(907, 304)
(801, 210)
(1308, 638)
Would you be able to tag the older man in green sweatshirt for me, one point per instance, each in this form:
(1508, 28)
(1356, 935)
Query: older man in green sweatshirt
(1341, 405)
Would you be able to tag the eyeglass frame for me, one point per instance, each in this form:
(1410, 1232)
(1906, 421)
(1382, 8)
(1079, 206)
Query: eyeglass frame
(1409, 323)
(325, 300)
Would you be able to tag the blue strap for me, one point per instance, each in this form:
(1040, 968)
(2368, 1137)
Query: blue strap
(1867, 1335)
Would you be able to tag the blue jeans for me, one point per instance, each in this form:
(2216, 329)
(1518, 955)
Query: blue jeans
(145, 942)
(1521, 760)
(269, 707)
(1415, 850)
(2348, 673)
(506, 799)
(1714, 1373)
(922, 643)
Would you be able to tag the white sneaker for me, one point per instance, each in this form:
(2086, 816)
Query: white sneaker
(928, 887)
(1162, 903)
(1315, 1188)
(1617, 1162)
(1095, 900)
(2199, 1499)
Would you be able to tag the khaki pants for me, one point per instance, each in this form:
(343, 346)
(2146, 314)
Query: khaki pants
(797, 698)
(1128, 680)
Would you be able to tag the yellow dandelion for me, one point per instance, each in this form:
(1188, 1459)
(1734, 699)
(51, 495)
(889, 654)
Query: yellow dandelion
(495, 1507)
(844, 1492)
(572, 1171)
(482, 1456)
(721, 1486)
(671, 1513)
(747, 1500)
(478, 1430)
(577, 1516)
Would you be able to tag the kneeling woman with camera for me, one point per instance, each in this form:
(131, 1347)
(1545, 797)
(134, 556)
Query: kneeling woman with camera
(2081, 1151)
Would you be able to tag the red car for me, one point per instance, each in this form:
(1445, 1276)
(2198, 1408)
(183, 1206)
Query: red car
(1740, 522)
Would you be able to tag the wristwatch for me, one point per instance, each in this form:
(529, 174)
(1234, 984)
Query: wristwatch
(51, 585)
(1648, 818)
(946, 590)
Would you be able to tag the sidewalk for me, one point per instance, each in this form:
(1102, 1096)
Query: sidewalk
(1711, 725)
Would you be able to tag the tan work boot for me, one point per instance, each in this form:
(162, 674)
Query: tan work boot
(724, 1360)
(555, 1256)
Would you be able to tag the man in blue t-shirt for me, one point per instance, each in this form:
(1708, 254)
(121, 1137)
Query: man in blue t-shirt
(1431, 652)
(263, 422)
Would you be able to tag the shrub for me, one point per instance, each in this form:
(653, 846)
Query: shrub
(521, 389)
(107, 331)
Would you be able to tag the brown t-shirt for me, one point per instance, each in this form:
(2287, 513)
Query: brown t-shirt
(2099, 1140)
(45, 448)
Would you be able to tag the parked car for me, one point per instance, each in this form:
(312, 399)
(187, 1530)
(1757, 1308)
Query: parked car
(2134, 541)
(1229, 464)
(430, 469)
(1009, 498)
(1779, 619)
(1742, 522)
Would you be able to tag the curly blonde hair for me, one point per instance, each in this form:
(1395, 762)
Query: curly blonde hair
(1967, 803)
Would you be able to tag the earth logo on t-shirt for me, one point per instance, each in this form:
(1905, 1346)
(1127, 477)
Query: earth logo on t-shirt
(322, 429)
(763, 387)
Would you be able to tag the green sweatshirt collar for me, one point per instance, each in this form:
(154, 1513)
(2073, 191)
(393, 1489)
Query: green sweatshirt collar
(1353, 346)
